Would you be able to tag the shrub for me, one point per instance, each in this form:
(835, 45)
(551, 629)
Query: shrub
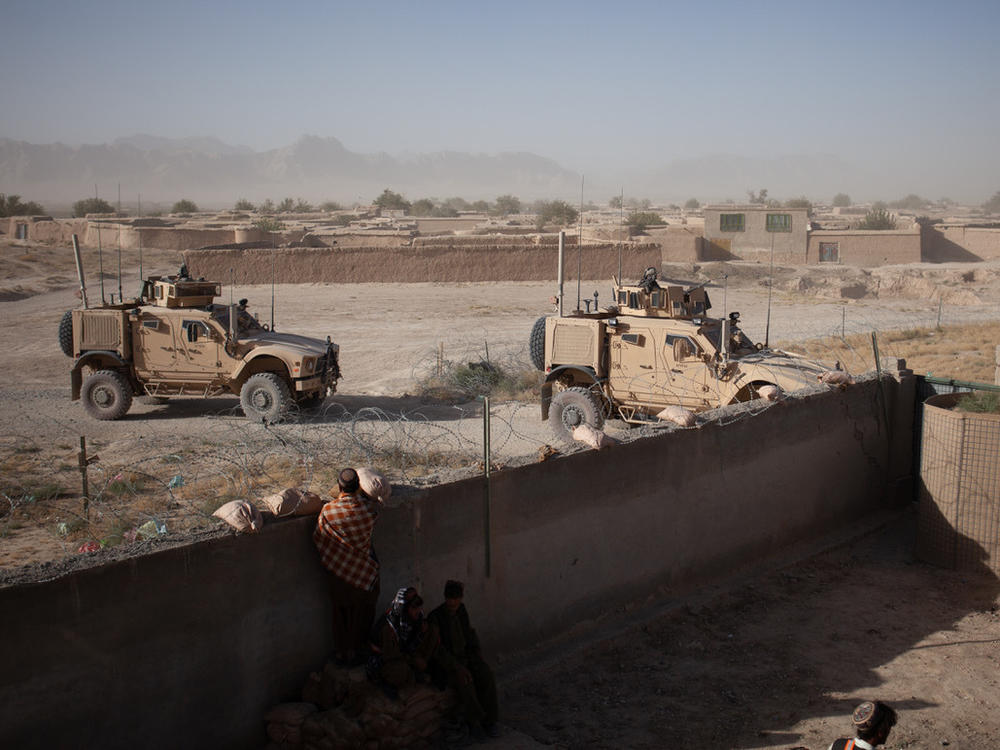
(92, 206)
(877, 219)
(692, 204)
(184, 206)
(841, 200)
(639, 220)
(554, 212)
(980, 402)
(993, 204)
(392, 201)
(243, 205)
(507, 205)
(267, 224)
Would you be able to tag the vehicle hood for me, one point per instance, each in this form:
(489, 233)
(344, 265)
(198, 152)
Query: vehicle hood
(785, 365)
(303, 345)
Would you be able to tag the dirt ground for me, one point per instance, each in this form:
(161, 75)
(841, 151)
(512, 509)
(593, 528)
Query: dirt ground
(774, 661)
(779, 659)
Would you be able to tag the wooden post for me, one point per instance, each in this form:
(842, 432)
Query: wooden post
(83, 477)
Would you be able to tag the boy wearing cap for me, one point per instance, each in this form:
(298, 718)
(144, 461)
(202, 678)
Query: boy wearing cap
(872, 722)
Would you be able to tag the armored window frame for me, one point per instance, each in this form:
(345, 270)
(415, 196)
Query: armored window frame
(732, 222)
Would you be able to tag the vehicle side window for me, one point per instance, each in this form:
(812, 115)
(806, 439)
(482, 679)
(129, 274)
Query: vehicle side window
(682, 346)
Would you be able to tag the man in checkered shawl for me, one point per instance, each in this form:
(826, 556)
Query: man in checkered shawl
(343, 536)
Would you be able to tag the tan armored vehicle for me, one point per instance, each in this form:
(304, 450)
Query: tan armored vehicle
(175, 340)
(655, 347)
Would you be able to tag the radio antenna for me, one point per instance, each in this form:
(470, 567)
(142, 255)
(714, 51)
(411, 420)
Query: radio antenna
(100, 260)
(138, 210)
(121, 297)
(274, 251)
(621, 230)
(770, 286)
(579, 249)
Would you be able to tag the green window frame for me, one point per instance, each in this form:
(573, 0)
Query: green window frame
(732, 223)
(778, 223)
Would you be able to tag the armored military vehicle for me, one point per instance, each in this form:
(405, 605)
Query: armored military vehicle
(176, 340)
(654, 347)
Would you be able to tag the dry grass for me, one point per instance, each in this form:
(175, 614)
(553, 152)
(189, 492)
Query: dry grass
(962, 352)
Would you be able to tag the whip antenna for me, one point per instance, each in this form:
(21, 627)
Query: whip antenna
(770, 287)
(579, 249)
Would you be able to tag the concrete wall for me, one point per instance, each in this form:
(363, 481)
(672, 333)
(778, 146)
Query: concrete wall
(189, 646)
(951, 243)
(755, 242)
(449, 261)
(868, 249)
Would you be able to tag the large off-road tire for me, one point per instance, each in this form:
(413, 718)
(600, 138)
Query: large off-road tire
(749, 392)
(536, 344)
(571, 408)
(66, 333)
(106, 395)
(265, 396)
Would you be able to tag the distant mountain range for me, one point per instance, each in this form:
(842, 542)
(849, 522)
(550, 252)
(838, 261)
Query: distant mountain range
(209, 171)
(216, 174)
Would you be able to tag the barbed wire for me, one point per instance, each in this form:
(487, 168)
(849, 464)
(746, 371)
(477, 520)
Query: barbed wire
(169, 485)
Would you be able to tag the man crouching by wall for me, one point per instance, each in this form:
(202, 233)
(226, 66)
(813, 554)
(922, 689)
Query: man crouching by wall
(459, 660)
(343, 536)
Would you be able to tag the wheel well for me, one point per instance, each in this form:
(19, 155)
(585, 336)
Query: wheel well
(94, 361)
(262, 364)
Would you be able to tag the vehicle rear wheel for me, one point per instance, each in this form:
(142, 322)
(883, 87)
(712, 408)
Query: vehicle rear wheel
(66, 333)
(572, 408)
(265, 396)
(750, 392)
(536, 344)
(106, 395)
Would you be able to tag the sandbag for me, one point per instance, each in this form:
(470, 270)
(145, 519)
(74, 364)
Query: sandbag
(586, 434)
(374, 484)
(241, 515)
(677, 415)
(769, 392)
(294, 502)
(835, 377)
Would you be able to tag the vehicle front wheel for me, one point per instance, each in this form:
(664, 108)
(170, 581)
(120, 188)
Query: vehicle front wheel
(265, 396)
(106, 395)
(573, 407)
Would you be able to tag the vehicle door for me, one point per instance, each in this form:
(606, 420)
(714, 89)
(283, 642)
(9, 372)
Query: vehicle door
(153, 351)
(691, 381)
(634, 375)
(199, 349)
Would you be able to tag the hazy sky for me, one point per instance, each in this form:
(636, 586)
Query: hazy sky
(592, 85)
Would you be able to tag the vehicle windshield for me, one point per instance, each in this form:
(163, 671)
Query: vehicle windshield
(739, 342)
(244, 320)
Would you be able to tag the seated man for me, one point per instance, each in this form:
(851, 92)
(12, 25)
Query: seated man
(872, 722)
(458, 662)
(402, 642)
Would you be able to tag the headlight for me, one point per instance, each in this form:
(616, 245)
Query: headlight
(308, 365)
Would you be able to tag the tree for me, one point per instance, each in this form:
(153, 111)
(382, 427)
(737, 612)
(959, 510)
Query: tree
(286, 206)
(639, 220)
(456, 204)
(993, 204)
(243, 205)
(422, 207)
(11, 205)
(184, 206)
(615, 201)
(554, 212)
(267, 207)
(507, 205)
(303, 206)
(692, 204)
(913, 202)
(390, 201)
(800, 202)
(758, 197)
(841, 200)
(92, 206)
(877, 219)
(480, 206)
(330, 206)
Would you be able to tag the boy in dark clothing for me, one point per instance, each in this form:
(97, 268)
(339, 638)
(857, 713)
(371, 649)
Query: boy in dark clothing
(459, 661)
(872, 722)
(402, 642)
